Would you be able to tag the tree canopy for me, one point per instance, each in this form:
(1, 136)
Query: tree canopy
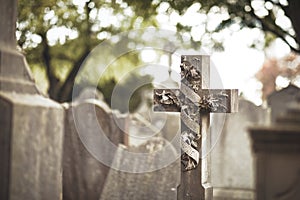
(276, 18)
(83, 24)
(56, 36)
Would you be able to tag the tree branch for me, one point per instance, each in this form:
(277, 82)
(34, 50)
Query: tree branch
(292, 11)
(65, 92)
(277, 4)
(275, 31)
(53, 80)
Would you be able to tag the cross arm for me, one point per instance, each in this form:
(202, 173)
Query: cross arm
(166, 100)
(219, 100)
(209, 100)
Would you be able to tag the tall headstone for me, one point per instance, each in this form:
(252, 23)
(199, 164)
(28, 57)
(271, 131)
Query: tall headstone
(31, 126)
(232, 162)
(160, 184)
(277, 152)
(280, 100)
(83, 174)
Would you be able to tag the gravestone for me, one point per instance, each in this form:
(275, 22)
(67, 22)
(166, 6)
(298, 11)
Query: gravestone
(232, 162)
(168, 124)
(89, 93)
(172, 126)
(195, 102)
(276, 149)
(159, 185)
(84, 174)
(280, 100)
(31, 126)
(144, 125)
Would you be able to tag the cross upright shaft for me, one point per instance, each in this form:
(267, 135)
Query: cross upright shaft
(195, 102)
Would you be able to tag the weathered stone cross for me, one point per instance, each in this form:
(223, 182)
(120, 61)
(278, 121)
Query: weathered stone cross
(195, 102)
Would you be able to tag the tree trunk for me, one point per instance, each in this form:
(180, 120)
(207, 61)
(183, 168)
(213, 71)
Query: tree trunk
(65, 92)
(53, 80)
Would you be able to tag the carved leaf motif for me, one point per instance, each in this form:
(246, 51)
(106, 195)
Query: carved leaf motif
(167, 98)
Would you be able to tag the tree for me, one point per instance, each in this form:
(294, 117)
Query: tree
(276, 18)
(81, 25)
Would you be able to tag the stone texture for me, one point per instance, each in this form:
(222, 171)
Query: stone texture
(160, 184)
(7, 23)
(280, 100)
(14, 72)
(277, 151)
(90, 93)
(83, 174)
(31, 126)
(172, 126)
(30, 147)
(195, 121)
(232, 162)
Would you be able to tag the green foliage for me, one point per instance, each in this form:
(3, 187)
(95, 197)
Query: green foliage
(81, 25)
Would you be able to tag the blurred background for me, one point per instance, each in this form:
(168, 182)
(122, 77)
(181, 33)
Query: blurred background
(254, 44)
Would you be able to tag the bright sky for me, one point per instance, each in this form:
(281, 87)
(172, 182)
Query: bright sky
(238, 64)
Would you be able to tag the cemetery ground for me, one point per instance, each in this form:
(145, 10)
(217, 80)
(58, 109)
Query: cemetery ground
(218, 146)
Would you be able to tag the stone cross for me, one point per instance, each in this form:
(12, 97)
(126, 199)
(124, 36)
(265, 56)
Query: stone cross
(195, 102)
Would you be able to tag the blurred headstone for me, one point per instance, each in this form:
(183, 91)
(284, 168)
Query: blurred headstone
(172, 126)
(90, 93)
(83, 173)
(31, 126)
(232, 162)
(280, 100)
(160, 184)
(277, 152)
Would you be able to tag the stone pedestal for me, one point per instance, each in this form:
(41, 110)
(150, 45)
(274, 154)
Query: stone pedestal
(277, 152)
(31, 126)
(31, 133)
(30, 147)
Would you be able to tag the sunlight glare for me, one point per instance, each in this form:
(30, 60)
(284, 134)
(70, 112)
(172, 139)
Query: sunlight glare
(148, 55)
(59, 34)
(163, 7)
(282, 82)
